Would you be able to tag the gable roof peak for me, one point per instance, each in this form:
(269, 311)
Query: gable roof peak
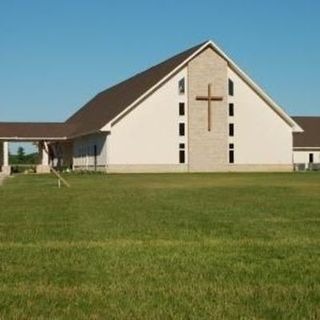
(112, 103)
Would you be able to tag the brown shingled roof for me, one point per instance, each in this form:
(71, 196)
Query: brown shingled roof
(28, 130)
(111, 102)
(102, 108)
(311, 135)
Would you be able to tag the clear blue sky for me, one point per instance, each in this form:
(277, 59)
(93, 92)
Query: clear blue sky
(56, 55)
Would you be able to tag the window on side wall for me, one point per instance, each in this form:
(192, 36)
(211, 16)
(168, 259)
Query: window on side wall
(181, 86)
(231, 156)
(231, 87)
(310, 157)
(182, 153)
(181, 109)
(231, 153)
(181, 129)
(231, 109)
(182, 157)
(231, 129)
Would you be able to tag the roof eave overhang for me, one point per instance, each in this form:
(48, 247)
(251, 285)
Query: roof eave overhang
(74, 136)
(305, 148)
(17, 138)
(86, 133)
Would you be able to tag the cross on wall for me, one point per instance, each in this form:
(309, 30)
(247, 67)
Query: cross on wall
(209, 98)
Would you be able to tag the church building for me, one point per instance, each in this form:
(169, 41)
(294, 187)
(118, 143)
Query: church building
(195, 112)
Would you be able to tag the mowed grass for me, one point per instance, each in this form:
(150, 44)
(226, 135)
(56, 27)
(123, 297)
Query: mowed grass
(167, 246)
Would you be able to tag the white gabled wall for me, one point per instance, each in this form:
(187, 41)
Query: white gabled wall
(261, 135)
(149, 134)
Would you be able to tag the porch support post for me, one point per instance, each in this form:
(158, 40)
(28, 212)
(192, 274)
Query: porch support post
(45, 157)
(44, 167)
(6, 169)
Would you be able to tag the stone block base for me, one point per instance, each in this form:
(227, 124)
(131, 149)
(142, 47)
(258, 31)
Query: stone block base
(43, 169)
(146, 168)
(6, 170)
(260, 168)
(247, 168)
(163, 168)
(166, 168)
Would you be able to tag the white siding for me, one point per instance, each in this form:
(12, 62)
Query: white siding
(149, 134)
(300, 157)
(83, 150)
(261, 135)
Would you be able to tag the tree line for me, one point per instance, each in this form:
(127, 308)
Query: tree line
(22, 158)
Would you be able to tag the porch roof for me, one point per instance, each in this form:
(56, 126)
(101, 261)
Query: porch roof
(29, 131)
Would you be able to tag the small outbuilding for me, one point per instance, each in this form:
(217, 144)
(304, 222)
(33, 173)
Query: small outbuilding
(306, 144)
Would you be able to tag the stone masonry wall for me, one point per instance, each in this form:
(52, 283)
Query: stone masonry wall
(208, 150)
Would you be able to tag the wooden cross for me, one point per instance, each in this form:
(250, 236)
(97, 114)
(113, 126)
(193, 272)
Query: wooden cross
(209, 98)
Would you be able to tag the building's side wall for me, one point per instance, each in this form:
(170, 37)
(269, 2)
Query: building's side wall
(262, 137)
(302, 157)
(148, 136)
(67, 151)
(83, 151)
(207, 149)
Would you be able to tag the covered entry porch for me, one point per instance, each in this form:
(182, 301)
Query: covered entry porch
(43, 166)
(47, 136)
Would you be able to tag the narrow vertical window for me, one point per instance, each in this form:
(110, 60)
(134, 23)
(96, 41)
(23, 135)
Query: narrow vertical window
(181, 109)
(231, 87)
(231, 153)
(182, 153)
(231, 129)
(231, 156)
(181, 129)
(182, 158)
(310, 157)
(182, 86)
(231, 110)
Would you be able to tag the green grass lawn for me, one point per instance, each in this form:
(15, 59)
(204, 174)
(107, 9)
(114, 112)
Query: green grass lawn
(182, 246)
